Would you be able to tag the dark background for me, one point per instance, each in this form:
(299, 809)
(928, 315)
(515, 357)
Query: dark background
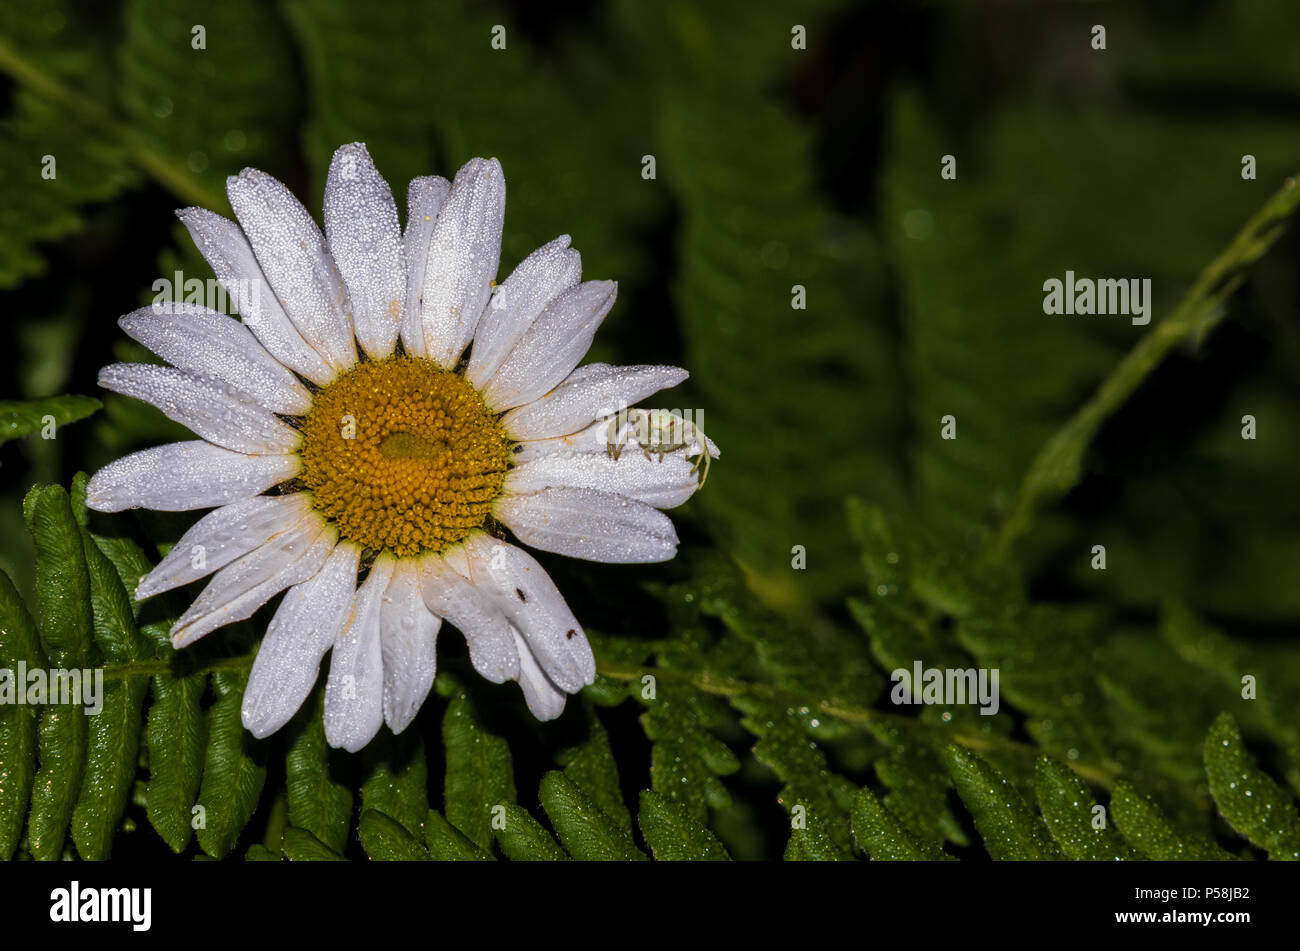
(775, 167)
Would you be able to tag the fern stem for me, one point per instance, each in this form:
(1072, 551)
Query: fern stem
(176, 179)
(1058, 467)
(276, 822)
(150, 668)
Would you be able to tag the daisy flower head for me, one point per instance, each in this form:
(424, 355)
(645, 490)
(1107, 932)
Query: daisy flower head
(380, 418)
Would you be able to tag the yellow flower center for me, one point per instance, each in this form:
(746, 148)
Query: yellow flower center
(402, 455)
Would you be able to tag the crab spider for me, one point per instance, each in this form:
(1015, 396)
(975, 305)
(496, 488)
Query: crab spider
(660, 431)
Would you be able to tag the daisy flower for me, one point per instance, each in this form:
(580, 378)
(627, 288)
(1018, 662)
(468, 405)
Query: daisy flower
(380, 418)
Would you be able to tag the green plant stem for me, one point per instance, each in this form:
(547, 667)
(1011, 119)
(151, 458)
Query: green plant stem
(1058, 466)
(276, 822)
(150, 668)
(162, 168)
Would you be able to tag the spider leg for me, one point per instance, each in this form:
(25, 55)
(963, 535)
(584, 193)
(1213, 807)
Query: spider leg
(615, 449)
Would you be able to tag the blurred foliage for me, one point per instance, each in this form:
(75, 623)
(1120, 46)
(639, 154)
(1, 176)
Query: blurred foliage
(744, 707)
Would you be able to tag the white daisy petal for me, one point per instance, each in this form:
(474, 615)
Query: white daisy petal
(365, 239)
(308, 621)
(217, 346)
(220, 537)
(448, 594)
(545, 700)
(662, 482)
(525, 593)
(245, 585)
(520, 300)
(595, 438)
(424, 198)
(354, 693)
(588, 524)
(226, 248)
(205, 405)
(464, 251)
(458, 559)
(296, 260)
(552, 346)
(590, 392)
(183, 476)
(408, 635)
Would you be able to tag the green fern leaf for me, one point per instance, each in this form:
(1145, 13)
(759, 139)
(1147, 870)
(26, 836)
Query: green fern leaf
(299, 845)
(115, 739)
(685, 758)
(1149, 830)
(810, 660)
(234, 769)
(115, 731)
(116, 633)
(812, 844)
(589, 764)
(807, 781)
(114, 745)
(523, 839)
(19, 644)
(64, 737)
(883, 836)
(583, 827)
(1068, 810)
(397, 780)
(63, 592)
(1251, 800)
(319, 805)
(22, 418)
(177, 734)
(446, 843)
(480, 777)
(918, 790)
(63, 583)
(387, 840)
(1010, 829)
(176, 728)
(674, 834)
